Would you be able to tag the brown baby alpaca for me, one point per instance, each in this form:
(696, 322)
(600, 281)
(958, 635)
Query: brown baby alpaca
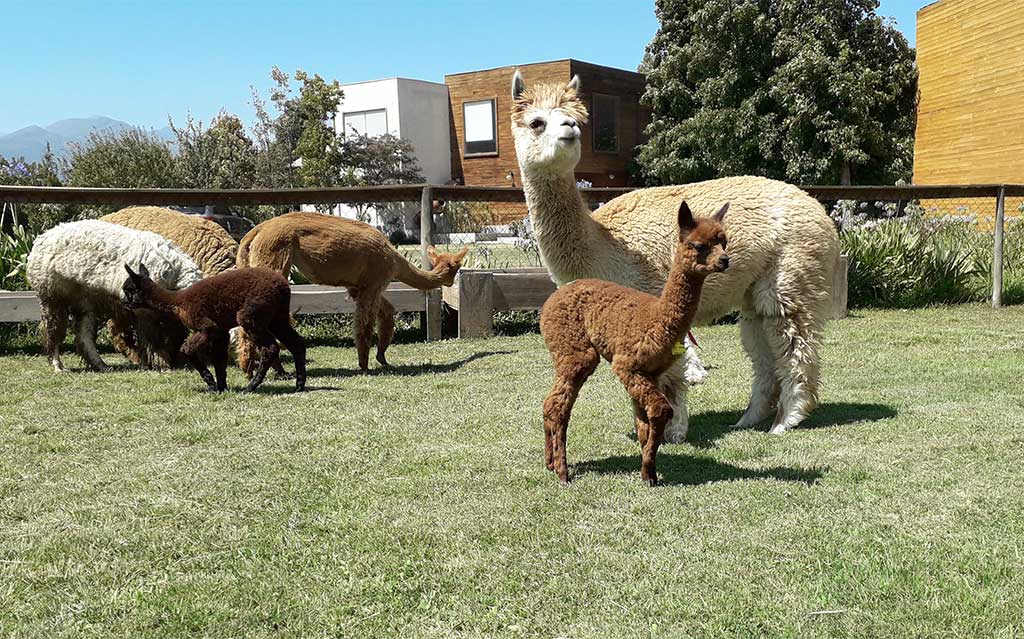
(590, 319)
(256, 299)
(336, 251)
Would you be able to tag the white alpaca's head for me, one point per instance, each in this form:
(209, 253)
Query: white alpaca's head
(546, 121)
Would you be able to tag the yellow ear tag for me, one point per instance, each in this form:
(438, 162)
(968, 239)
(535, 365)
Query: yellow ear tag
(679, 348)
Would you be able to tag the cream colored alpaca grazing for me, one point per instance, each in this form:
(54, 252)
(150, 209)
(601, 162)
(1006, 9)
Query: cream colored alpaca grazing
(784, 250)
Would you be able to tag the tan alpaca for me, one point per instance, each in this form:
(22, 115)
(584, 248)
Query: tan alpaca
(783, 245)
(635, 331)
(335, 251)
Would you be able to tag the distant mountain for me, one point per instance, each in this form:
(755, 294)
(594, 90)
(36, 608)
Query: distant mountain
(30, 142)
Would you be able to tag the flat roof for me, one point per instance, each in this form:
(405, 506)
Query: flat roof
(348, 84)
(531, 64)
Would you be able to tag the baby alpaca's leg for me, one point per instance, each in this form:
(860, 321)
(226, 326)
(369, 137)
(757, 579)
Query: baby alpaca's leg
(646, 394)
(195, 349)
(218, 345)
(570, 374)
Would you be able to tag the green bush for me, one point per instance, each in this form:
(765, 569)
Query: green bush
(915, 261)
(14, 250)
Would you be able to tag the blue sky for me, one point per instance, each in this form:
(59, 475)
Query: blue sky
(140, 61)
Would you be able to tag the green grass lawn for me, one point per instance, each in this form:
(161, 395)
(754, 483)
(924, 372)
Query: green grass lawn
(415, 502)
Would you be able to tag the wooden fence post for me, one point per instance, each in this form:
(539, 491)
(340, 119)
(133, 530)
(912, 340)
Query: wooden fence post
(840, 289)
(476, 303)
(433, 298)
(997, 249)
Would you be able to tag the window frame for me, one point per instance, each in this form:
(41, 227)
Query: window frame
(593, 138)
(494, 128)
(364, 112)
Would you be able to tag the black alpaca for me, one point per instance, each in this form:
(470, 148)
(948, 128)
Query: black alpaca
(256, 299)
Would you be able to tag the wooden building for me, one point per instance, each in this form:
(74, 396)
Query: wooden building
(970, 123)
(483, 151)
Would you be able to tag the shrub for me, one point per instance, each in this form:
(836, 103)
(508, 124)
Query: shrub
(915, 261)
(14, 250)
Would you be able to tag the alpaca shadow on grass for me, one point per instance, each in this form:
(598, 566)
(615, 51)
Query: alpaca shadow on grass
(403, 370)
(687, 470)
(707, 428)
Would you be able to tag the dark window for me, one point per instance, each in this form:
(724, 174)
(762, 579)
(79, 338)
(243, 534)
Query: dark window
(606, 123)
(481, 135)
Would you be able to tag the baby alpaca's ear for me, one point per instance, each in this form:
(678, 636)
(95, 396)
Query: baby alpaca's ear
(143, 271)
(685, 217)
(461, 254)
(721, 213)
(132, 274)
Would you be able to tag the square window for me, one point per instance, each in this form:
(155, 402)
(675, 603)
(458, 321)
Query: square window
(372, 123)
(481, 135)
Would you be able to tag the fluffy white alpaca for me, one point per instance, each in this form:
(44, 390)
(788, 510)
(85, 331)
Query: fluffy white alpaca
(77, 269)
(783, 246)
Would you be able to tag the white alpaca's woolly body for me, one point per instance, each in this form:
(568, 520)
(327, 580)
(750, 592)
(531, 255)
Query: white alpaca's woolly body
(77, 268)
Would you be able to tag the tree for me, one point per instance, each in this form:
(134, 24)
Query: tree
(222, 156)
(810, 91)
(385, 159)
(131, 158)
(18, 172)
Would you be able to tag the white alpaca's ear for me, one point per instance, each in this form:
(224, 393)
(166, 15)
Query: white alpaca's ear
(721, 213)
(685, 217)
(574, 84)
(518, 86)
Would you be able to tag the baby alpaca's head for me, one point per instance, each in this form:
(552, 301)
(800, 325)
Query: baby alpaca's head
(702, 241)
(446, 264)
(135, 289)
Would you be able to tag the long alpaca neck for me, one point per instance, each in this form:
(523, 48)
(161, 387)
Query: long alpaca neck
(562, 225)
(678, 304)
(417, 277)
(162, 300)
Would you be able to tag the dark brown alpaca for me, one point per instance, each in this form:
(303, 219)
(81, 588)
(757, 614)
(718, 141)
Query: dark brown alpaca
(256, 299)
(590, 319)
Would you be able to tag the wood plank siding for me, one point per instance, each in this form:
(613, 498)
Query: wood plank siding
(600, 168)
(970, 126)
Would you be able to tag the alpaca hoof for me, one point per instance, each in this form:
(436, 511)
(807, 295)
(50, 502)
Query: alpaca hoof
(675, 436)
(652, 482)
(778, 429)
(383, 362)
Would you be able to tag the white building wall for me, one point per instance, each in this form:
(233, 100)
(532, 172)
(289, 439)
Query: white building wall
(423, 109)
(416, 111)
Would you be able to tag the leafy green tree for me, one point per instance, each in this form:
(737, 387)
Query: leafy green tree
(131, 158)
(222, 156)
(385, 159)
(810, 91)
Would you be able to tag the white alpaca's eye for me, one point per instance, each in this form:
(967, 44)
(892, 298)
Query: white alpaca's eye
(536, 124)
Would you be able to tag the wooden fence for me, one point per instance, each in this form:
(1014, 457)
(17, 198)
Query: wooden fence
(478, 293)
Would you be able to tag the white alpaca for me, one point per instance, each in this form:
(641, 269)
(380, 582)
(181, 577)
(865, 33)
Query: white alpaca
(783, 247)
(77, 269)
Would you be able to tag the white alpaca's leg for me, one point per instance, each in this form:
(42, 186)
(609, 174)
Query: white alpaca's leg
(673, 383)
(85, 336)
(795, 339)
(54, 328)
(764, 391)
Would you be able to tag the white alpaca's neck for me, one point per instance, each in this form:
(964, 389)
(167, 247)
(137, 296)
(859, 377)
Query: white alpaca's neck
(562, 225)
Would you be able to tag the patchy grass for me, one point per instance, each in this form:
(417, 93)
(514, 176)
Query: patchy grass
(414, 502)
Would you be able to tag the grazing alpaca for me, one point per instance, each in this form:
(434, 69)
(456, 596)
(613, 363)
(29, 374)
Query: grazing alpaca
(783, 245)
(340, 252)
(256, 299)
(635, 331)
(206, 242)
(75, 269)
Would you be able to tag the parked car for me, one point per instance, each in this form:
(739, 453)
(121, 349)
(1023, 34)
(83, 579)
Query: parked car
(236, 225)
